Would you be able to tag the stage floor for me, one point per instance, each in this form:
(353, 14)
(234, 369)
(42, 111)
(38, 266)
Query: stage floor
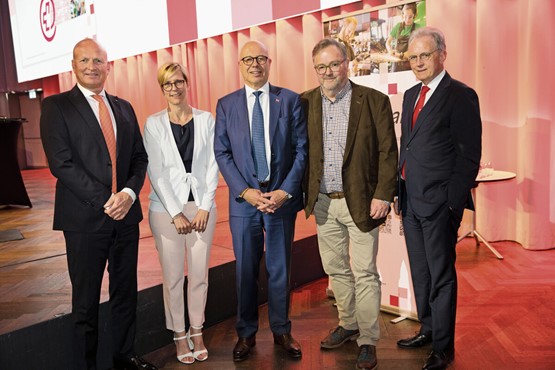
(34, 282)
(504, 308)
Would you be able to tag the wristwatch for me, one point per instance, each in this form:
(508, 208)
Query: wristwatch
(287, 195)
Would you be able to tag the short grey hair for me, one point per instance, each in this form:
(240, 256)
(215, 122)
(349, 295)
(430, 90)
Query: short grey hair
(434, 33)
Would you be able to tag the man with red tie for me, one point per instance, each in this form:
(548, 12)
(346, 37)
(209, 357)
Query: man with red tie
(439, 161)
(95, 150)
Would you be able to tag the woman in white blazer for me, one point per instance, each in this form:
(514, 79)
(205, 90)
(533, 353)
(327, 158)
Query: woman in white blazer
(182, 214)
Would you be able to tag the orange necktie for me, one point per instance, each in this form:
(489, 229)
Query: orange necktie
(109, 136)
(417, 109)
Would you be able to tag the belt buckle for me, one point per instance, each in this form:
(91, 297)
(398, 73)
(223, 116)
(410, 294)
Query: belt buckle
(336, 195)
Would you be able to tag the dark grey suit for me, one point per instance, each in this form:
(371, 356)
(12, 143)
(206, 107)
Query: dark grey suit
(78, 157)
(441, 156)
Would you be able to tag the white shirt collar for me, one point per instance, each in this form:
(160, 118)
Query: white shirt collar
(88, 92)
(265, 89)
(435, 82)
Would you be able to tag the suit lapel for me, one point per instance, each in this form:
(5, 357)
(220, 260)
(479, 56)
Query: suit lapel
(243, 130)
(84, 108)
(275, 109)
(315, 125)
(438, 96)
(354, 118)
(171, 145)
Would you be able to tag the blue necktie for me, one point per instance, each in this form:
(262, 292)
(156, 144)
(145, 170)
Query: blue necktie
(258, 142)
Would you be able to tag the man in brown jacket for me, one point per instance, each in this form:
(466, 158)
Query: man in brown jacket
(349, 183)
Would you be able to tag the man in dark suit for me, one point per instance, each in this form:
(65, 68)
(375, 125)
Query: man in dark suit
(440, 157)
(260, 147)
(350, 180)
(83, 130)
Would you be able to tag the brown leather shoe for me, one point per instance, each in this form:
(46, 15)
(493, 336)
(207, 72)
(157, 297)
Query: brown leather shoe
(367, 357)
(289, 344)
(338, 336)
(243, 347)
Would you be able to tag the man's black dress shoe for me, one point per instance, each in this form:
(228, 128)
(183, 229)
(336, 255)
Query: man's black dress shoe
(419, 340)
(289, 344)
(133, 363)
(437, 361)
(243, 347)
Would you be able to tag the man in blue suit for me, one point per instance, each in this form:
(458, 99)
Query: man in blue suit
(440, 157)
(260, 146)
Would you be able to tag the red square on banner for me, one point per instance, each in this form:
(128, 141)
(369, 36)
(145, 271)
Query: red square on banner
(392, 89)
(182, 21)
(394, 301)
(284, 9)
(92, 9)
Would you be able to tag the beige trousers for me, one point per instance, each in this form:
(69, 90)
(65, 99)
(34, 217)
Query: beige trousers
(349, 258)
(173, 248)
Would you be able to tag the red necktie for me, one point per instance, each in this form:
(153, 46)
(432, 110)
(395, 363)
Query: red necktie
(417, 109)
(109, 136)
(419, 103)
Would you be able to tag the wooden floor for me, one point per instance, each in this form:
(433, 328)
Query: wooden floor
(505, 320)
(505, 308)
(34, 282)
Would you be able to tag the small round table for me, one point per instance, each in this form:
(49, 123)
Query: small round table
(495, 176)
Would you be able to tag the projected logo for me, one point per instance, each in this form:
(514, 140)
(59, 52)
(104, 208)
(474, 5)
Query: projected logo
(48, 19)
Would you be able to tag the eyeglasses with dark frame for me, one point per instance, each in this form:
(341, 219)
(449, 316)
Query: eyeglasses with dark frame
(422, 56)
(177, 83)
(321, 69)
(260, 59)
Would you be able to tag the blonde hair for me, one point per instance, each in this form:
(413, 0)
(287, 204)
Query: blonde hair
(168, 69)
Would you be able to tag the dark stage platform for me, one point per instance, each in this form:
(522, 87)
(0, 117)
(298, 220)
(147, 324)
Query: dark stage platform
(35, 292)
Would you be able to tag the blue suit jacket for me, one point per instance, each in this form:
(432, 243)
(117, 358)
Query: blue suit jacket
(288, 142)
(442, 151)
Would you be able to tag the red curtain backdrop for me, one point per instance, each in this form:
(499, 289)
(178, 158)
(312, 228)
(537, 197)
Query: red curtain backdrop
(502, 48)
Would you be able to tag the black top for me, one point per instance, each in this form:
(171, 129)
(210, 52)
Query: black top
(184, 138)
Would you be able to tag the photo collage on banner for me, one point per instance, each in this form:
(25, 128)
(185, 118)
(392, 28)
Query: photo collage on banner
(377, 40)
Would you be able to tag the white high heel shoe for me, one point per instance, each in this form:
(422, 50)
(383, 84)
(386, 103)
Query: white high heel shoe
(181, 358)
(196, 354)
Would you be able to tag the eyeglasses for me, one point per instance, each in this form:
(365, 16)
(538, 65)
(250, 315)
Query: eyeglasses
(177, 83)
(260, 59)
(321, 69)
(424, 57)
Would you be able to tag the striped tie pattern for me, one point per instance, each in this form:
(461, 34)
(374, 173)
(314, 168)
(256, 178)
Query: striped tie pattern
(109, 136)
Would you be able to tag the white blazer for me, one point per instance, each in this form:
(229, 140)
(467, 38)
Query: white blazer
(169, 180)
